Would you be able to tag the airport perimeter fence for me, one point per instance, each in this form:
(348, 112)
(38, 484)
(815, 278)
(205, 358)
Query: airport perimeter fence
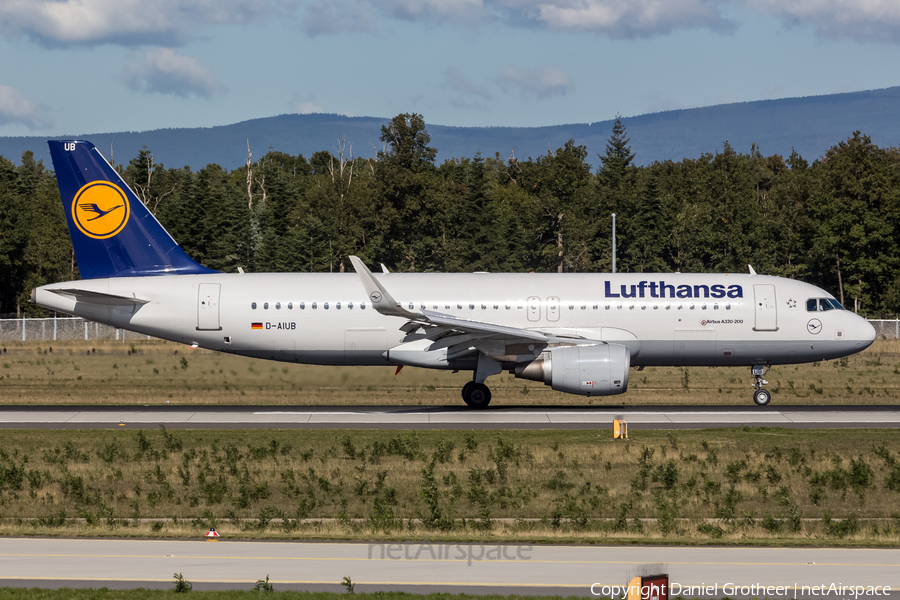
(62, 328)
(76, 328)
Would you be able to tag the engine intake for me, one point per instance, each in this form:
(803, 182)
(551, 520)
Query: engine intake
(599, 370)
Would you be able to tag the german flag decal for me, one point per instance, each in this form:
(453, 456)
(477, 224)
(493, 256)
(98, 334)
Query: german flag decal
(255, 325)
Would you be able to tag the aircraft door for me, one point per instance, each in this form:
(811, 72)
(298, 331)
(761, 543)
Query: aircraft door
(534, 308)
(208, 307)
(764, 308)
(553, 308)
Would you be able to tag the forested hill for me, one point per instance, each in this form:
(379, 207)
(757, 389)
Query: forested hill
(809, 125)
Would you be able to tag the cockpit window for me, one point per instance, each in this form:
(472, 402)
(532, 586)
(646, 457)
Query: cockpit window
(823, 304)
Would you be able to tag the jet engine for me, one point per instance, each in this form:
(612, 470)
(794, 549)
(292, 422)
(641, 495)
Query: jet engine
(597, 370)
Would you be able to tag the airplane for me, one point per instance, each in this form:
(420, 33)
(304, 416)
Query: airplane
(578, 333)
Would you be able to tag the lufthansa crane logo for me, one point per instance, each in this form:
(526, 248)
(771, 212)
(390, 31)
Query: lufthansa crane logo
(814, 326)
(100, 210)
(376, 297)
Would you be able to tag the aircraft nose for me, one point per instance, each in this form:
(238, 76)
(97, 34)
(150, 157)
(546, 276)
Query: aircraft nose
(865, 333)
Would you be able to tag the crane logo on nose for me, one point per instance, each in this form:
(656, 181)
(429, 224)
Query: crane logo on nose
(814, 326)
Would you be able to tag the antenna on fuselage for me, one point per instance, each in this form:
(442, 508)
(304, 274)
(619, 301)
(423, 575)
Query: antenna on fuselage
(752, 271)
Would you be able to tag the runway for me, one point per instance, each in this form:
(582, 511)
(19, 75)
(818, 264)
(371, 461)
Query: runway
(438, 566)
(446, 417)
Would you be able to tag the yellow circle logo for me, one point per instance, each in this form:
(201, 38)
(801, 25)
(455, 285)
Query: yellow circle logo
(100, 209)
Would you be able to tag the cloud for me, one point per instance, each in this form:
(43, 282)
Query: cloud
(543, 82)
(618, 18)
(122, 22)
(307, 108)
(16, 109)
(163, 71)
(865, 20)
(431, 10)
(456, 79)
(335, 16)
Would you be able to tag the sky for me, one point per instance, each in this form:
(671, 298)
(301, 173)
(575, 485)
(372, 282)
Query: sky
(70, 67)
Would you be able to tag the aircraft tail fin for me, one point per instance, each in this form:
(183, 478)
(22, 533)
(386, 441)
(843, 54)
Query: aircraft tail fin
(113, 233)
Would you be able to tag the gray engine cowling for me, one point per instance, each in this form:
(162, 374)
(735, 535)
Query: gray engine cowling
(600, 370)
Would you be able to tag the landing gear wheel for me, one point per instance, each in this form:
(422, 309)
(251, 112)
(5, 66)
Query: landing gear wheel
(476, 395)
(762, 397)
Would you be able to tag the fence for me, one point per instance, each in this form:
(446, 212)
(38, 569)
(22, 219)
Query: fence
(76, 328)
(62, 328)
(888, 328)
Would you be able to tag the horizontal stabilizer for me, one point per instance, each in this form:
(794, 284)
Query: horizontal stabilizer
(89, 297)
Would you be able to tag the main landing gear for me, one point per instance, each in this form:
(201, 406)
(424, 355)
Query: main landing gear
(761, 396)
(476, 395)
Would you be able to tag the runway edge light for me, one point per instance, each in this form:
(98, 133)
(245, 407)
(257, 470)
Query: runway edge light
(212, 534)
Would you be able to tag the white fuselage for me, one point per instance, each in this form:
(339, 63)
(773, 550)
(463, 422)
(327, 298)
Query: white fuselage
(665, 319)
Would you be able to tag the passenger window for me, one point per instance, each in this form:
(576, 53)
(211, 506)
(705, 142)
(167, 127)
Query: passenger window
(728, 306)
(349, 305)
(337, 305)
(362, 305)
(715, 306)
(266, 305)
(411, 306)
(314, 305)
(471, 307)
(325, 306)
(278, 305)
(290, 306)
(302, 305)
(253, 305)
(459, 306)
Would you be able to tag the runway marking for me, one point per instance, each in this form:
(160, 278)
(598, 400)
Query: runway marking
(331, 582)
(491, 561)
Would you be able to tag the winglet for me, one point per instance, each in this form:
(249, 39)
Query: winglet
(382, 301)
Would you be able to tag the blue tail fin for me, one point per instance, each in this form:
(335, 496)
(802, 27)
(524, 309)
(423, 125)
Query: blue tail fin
(113, 233)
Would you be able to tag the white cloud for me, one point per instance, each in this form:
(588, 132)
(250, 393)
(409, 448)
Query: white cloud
(864, 20)
(618, 18)
(543, 82)
(307, 108)
(163, 71)
(123, 22)
(335, 16)
(431, 10)
(16, 109)
(457, 80)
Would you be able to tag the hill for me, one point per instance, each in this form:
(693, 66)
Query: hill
(810, 125)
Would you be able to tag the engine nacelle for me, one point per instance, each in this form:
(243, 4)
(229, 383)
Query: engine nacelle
(599, 370)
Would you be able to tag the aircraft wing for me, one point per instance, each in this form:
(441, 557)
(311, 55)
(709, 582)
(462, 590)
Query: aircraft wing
(447, 331)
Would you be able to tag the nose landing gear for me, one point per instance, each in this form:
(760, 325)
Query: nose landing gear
(761, 396)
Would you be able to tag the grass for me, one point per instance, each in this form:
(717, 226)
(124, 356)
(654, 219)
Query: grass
(152, 372)
(738, 486)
